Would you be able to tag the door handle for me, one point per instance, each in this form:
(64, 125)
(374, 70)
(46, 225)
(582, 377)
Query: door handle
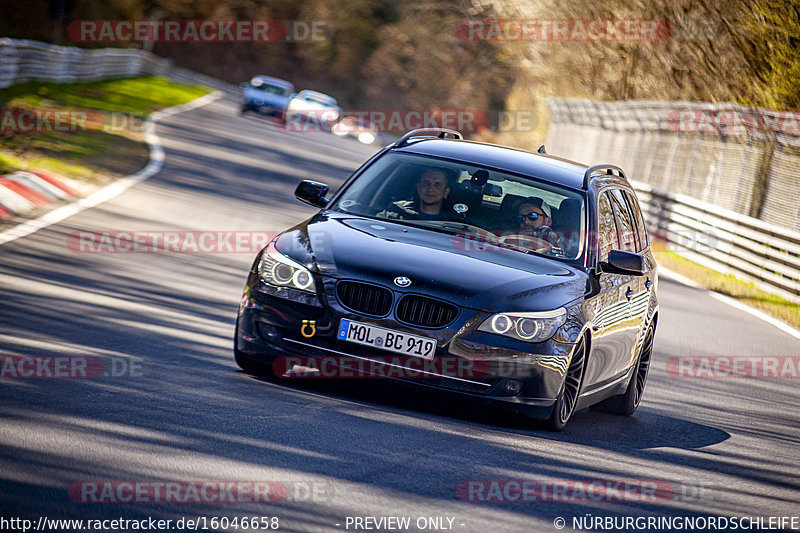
(629, 294)
(648, 284)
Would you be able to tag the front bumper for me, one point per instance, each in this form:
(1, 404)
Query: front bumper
(264, 107)
(523, 377)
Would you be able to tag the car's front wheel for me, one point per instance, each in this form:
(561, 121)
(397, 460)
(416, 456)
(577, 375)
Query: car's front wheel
(625, 404)
(568, 397)
(248, 365)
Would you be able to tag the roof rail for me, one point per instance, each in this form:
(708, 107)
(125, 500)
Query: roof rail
(609, 171)
(435, 133)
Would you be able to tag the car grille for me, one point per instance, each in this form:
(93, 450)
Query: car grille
(364, 298)
(425, 312)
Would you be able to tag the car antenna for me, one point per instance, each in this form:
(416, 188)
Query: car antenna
(541, 150)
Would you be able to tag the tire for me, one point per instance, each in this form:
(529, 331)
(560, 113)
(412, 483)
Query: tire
(571, 388)
(248, 365)
(251, 367)
(626, 404)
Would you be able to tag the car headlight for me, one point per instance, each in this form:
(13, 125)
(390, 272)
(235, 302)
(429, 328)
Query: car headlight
(366, 138)
(329, 116)
(530, 327)
(277, 269)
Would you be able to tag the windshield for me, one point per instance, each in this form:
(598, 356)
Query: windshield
(510, 211)
(273, 89)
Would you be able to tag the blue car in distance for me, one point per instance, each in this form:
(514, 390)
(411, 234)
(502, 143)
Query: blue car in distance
(267, 95)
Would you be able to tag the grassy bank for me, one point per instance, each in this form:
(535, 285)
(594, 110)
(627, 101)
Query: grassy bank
(90, 131)
(728, 285)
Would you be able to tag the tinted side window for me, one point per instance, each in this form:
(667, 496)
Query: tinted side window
(638, 221)
(607, 233)
(627, 232)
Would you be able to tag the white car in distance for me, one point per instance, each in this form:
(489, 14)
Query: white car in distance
(313, 109)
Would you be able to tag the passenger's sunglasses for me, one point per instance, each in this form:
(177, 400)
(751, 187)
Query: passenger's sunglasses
(530, 216)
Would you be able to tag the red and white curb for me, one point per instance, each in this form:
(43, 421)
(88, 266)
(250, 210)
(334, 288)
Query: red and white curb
(21, 192)
(50, 185)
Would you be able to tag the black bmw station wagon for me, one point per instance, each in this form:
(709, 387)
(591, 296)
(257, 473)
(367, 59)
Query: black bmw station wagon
(519, 278)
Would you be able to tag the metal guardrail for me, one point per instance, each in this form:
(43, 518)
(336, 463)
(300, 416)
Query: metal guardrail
(719, 182)
(23, 60)
(746, 160)
(725, 241)
(182, 75)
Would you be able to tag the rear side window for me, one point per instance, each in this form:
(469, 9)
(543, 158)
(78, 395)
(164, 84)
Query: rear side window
(625, 227)
(638, 221)
(606, 231)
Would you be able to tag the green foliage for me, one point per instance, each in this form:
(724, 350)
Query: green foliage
(775, 26)
(390, 55)
(97, 153)
(128, 95)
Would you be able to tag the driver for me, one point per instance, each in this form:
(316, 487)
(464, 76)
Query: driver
(429, 201)
(534, 218)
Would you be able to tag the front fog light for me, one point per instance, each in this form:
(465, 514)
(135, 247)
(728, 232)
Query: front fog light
(509, 387)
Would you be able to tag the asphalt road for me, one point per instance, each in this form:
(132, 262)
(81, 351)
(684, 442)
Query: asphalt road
(726, 447)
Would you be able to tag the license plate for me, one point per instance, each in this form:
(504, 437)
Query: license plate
(386, 339)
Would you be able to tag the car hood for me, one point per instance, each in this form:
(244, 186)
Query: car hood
(438, 264)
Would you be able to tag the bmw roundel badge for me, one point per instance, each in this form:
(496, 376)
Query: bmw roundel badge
(402, 281)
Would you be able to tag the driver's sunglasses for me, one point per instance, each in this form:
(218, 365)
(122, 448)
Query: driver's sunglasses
(530, 216)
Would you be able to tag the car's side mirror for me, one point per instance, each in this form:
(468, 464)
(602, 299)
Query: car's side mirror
(620, 262)
(312, 193)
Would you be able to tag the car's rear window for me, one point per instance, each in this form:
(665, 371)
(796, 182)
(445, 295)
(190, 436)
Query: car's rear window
(407, 188)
